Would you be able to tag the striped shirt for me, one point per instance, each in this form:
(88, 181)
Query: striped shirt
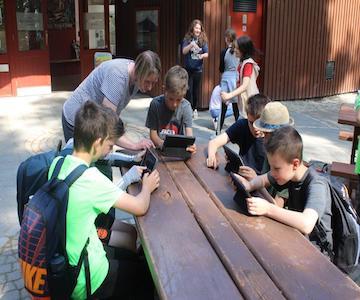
(109, 80)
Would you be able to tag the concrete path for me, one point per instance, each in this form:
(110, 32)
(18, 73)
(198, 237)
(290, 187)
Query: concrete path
(30, 125)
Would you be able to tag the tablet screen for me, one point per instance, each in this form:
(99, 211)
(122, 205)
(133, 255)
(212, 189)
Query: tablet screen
(149, 160)
(235, 160)
(178, 141)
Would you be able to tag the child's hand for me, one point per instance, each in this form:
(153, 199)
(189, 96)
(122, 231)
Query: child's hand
(191, 149)
(225, 96)
(245, 183)
(144, 144)
(257, 206)
(151, 181)
(139, 170)
(211, 161)
(247, 172)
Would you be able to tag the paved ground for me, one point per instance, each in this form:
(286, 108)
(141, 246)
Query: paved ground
(32, 124)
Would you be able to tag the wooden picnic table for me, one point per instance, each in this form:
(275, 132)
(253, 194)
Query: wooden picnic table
(198, 246)
(347, 116)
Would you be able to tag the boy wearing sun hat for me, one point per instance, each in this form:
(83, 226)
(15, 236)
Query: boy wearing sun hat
(274, 116)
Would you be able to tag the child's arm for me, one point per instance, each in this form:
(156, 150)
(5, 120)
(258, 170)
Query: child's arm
(186, 49)
(303, 221)
(139, 204)
(213, 146)
(189, 132)
(242, 88)
(158, 142)
(257, 183)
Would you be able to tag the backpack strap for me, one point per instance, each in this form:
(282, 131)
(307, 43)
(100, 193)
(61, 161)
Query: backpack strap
(75, 174)
(57, 168)
(87, 275)
(84, 258)
(322, 242)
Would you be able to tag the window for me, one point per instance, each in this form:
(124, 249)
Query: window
(29, 21)
(147, 29)
(244, 5)
(2, 28)
(94, 24)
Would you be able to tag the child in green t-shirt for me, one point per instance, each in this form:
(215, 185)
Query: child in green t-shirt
(95, 132)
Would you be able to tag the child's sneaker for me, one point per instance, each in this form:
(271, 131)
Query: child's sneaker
(195, 114)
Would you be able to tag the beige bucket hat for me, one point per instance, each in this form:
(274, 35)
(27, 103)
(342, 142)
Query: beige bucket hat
(274, 116)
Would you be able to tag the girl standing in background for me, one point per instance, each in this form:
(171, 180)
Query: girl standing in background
(248, 71)
(195, 49)
(228, 69)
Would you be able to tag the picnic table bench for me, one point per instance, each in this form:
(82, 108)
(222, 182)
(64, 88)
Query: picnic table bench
(198, 246)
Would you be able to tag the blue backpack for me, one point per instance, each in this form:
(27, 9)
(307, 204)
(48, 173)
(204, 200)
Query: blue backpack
(42, 241)
(32, 174)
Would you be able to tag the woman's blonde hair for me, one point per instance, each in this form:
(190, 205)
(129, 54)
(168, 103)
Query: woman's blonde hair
(190, 33)
(146, 64)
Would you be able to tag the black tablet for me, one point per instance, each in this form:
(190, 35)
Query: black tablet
(241, 191)
(149, 160)
(235, 160)
(178, 141)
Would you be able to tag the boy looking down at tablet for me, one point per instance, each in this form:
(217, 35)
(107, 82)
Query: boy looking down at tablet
(309, 199)
(243, 133)
(95, 132)
(170, 113)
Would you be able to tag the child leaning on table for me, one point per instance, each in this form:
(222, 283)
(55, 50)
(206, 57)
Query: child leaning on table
(309, 198)
(245, 135)
(170, 113)
(95, 132)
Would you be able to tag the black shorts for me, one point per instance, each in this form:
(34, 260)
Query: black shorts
(128, 277)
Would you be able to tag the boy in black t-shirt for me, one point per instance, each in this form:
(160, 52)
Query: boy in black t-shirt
(171, 113)
(309, 199)
(242, 133)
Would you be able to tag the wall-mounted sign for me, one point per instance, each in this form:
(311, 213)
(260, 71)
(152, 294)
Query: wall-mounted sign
(94, 21)
(29, 21)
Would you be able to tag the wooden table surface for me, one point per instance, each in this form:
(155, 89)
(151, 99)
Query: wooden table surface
(198, 246)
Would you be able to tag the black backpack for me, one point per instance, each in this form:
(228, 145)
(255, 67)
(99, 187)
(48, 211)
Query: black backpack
(345, 225)
(42, 240)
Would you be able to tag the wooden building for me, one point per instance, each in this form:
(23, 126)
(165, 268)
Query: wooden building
(310, 47)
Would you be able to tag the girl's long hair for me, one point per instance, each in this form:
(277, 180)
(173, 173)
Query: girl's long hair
(230, 34)
(247, 48)
(190, 34)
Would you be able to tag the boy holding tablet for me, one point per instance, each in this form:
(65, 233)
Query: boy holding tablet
(170, 113)
(242, 133)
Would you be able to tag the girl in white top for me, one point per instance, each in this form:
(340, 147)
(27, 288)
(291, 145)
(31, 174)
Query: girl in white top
(248, 72)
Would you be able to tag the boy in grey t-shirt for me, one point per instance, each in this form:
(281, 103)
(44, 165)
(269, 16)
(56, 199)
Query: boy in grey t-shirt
(309, 194)
(171, 113)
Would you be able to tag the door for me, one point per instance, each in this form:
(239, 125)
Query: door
(30, 68)
(94, 32)
(5, 77)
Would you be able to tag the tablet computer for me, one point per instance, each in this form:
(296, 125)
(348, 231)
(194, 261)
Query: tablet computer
(235, 160)
(240, 188)
(178, 141)
(240, 195)
(149, 161)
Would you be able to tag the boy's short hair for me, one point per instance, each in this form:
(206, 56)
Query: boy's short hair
(255, 105)
(287, 142)
(93, 121)
(176, 81)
